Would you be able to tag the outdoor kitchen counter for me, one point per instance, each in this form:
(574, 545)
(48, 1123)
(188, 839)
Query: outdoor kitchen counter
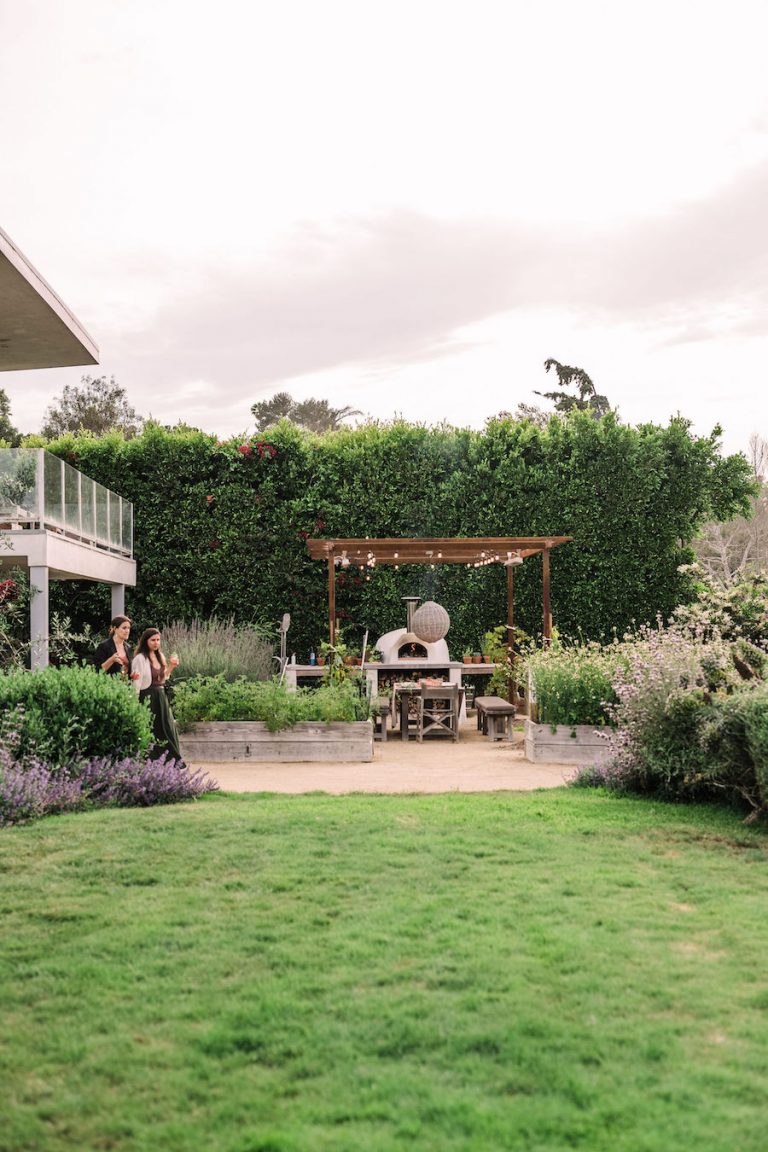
(454, 668)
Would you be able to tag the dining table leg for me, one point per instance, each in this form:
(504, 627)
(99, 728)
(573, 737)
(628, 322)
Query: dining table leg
(404, 707)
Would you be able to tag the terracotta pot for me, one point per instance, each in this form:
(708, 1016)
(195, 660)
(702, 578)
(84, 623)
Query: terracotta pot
(467, 659)
(476, 658)
(321, 661)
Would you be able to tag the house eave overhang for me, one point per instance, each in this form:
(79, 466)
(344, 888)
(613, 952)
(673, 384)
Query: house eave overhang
(37, 330)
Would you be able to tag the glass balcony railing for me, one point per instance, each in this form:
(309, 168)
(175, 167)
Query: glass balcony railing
(39, 490)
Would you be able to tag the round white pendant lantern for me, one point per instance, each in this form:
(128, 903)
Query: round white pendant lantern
(430, 622)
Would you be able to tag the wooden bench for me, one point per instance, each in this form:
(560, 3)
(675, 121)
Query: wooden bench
(494, 716)
(381, 723)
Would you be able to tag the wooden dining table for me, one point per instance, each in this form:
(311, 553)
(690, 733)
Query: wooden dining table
(403, 691)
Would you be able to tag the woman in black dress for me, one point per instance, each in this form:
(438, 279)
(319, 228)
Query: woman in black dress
(150, 674)
(113, 655)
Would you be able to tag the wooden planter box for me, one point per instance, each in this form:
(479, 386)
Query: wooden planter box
(578, 744)
(218, 741)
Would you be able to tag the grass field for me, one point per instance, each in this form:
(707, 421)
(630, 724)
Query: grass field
(538, 971)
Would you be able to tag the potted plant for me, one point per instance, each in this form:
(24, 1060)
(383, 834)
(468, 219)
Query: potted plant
(495, 645)
(507, 674)
(467, 656)
(477, 657)
(335, 655)
(374, 656)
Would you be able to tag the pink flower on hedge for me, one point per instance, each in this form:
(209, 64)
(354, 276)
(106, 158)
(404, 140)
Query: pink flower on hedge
(9, 590)
(245, 449)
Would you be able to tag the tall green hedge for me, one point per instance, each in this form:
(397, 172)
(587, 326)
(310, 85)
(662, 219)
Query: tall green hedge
(220, 528)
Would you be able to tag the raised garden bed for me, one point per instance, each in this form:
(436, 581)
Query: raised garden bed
(565, 744)
(251, 740)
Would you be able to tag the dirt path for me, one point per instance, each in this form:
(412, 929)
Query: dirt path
(473, 764)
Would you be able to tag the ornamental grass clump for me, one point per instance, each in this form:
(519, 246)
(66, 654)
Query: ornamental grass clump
(220, 648)
(573, 684)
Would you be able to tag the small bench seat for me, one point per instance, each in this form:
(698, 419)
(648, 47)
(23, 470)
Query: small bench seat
(495, 716)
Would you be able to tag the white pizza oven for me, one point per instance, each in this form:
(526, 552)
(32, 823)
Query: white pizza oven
(403, 646)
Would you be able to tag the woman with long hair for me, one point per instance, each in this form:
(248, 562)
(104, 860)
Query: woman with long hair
(151, 671)
(113, 655)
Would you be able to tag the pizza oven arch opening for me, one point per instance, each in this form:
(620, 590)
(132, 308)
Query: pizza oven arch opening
(411, 648)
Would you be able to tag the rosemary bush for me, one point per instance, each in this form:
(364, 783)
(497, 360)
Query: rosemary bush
(219, 648)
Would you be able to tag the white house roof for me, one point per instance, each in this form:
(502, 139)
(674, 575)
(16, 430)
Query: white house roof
(37, 330)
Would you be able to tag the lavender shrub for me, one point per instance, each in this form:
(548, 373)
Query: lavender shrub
(29, 788)
(132, 783)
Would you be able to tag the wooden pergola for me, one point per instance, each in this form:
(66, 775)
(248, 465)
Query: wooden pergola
(472, 552)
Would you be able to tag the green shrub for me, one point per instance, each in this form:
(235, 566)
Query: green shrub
(209, 698)
(219, 647)
(737, 738)
(677, 757)
(73, 714)
(225, 532)
(755, 715)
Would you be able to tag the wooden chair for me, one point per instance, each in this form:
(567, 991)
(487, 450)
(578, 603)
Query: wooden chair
(438, 710)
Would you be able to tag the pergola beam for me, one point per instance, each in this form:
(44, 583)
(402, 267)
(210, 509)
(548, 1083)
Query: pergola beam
(473, 552)
(476, 550)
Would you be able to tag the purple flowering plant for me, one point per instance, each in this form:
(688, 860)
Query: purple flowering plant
(30, 788)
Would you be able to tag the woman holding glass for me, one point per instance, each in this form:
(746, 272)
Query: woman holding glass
(151, 672)
(113, 655)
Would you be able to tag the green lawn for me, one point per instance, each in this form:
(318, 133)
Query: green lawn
(541, 971)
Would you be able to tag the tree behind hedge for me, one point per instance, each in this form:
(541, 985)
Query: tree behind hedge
(221, 528)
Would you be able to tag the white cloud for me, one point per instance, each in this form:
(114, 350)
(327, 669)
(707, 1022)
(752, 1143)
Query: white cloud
(393, 203)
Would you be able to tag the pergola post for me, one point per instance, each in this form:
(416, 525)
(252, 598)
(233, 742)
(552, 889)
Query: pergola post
(331, 599)
(546, 596)
(510, 624)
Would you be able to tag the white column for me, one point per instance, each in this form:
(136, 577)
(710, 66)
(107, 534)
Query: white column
(38, 617)
(454, 677)
(118, 600)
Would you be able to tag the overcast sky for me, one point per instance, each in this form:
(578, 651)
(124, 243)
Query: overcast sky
(401, 206)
